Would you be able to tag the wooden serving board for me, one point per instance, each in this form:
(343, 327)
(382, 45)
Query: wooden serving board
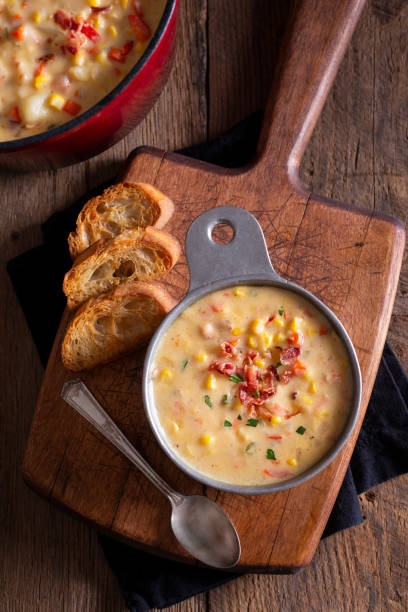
(348, 258)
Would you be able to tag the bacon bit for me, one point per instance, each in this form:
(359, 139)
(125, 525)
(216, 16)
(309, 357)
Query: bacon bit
(226, 294)
(289, 416)
(274, 371)
(228, 348)
(15, 114)
(20, 33)
(323, 330)
(294, 394)
(268, 383)
(290, 354)
(69, 49)
(285, 377)
(251, 377)
(65, 21)
(264, 413)
(93, 50)
(224, 367)
(140, 28)
(101, 9)
(71, 107)
(90, 32)
(275, 437)
(271, 319)
(296, 339)
(76, 94)
(119, 55)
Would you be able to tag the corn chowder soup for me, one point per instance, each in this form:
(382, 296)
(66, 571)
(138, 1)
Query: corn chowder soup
(252, 386)
(59, 57)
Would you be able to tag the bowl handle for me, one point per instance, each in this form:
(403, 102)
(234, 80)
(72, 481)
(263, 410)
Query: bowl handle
(246, 255)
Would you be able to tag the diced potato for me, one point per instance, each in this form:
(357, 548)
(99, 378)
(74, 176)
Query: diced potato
(32, 108)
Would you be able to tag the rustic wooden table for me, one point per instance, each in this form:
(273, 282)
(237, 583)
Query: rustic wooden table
(358, 153)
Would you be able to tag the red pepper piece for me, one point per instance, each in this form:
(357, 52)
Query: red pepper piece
(15, 114)
(140, 27)
(119, 55)
(90, 32)
(72, 108)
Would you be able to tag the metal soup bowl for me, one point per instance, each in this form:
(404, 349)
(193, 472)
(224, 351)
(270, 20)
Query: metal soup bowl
(209, 263)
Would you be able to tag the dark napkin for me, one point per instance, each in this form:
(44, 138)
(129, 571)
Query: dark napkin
(381, 452)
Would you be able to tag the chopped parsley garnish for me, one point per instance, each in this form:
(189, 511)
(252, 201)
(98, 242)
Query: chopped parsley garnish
(252, 422)
(278, 365)
(208, 401)
(281, 311)
(301, 430)
(256, 393)
(225, 399)
(227, 424)
(239, 417)
(250, 449)
(270, 454)
(184, 364)
(236, 378)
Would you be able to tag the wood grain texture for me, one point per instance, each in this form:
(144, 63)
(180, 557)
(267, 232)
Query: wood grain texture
(350, 259)
(52, 562)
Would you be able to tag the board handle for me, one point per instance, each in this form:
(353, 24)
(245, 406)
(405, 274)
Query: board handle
(246, 255)
(316, 38)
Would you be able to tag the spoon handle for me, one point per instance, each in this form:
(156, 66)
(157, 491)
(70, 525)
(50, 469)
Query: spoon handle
(77, 395)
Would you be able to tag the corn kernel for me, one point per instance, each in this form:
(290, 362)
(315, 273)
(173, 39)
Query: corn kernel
(98, 21)
(37, 17)
(207, 439)
(259, 363)
(276, 419)
(56, 101)
(312, 386)
(237, 331)
(238, 406)
(201, 357)
(323, 414)
(124, 3)
(241, 433)
(278, 321)
(257, 326)
(292, 461)
(41, 80)
(112, 30)
(266, 340)
(102, 58)
(295, 323)
(166, 374)
(175, 427)
(311, 332)
(79, 58)
(305, 375)
(305, 400)
(140, 47)
(94, 3)
(252, 341)
(239, 292)
(279, 337)
(211, 383)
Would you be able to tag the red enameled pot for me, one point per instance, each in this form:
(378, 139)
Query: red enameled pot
(110, 119)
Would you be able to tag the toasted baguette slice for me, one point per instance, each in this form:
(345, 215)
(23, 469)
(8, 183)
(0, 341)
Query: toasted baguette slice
(114, 324)
(120, 207)
(137, 254)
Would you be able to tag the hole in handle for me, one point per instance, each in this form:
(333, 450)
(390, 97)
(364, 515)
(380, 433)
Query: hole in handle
(222, 233)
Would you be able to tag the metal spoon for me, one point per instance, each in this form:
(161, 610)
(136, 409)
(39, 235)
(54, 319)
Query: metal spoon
(199, 524)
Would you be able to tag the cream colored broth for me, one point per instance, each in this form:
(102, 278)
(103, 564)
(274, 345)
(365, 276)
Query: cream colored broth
(59, 58)
(260, 430)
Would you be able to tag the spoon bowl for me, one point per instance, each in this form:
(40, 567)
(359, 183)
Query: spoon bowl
(202, 527)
